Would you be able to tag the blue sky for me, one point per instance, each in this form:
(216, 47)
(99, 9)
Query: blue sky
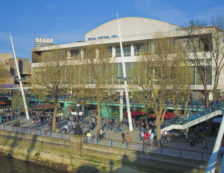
(68, 20)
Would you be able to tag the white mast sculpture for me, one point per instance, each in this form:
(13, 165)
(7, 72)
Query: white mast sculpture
(20, 80)
(125, 78)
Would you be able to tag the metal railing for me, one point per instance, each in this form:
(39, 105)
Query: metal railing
(167, 151)
(163, 150)
(197, 115)
(36, 132)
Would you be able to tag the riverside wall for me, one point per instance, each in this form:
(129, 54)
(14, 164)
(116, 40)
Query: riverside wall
(75, 156)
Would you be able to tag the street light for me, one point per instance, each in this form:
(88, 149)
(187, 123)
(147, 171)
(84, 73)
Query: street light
(77, 106)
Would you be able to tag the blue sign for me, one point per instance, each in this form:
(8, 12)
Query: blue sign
(7, 86)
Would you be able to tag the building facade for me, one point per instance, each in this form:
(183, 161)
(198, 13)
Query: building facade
(137, 33)
(8, 72)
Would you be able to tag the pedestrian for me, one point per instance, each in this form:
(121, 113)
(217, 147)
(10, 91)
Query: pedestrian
(191, 141)
(128, 137)
(186, 135)
(205, 145)
(101, 134)
(165, 137)
(142, 135)
(123, 137)
(89, 137)
(49, 124)
(145, 138)
(66, 128)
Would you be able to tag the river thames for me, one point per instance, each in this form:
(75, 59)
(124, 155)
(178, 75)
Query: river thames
(8, 165)
(16, 166)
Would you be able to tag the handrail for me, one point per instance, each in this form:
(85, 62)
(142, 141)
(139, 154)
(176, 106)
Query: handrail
(183, 123)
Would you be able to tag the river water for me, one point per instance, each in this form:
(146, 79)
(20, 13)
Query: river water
(16, 166)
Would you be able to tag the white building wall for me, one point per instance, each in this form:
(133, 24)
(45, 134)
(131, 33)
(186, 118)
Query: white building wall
(131, 26)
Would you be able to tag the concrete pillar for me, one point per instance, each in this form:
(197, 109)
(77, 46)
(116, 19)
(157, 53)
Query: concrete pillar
(82, 53)
(113, 51)
(132, 50)
(76, 143)
(69, 54)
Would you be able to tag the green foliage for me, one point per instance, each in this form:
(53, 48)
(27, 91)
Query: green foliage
(16, 123)
(17, 101)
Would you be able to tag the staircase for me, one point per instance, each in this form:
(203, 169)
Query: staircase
(191, 120)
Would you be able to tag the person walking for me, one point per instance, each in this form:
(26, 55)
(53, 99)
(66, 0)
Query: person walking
(89, 137)
(142, 135)
(123, 137)
(205, 145)
(128, 137)
(66, 128)
(101, 135)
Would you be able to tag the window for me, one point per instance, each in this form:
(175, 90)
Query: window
(137, 49)
(127, 50)
(191, 75)
(128, 71)
(110, 51)
(118, 51)
(75, 54)
(141, 48)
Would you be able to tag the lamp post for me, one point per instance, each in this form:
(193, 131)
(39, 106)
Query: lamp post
(77, 107)
(206, 94)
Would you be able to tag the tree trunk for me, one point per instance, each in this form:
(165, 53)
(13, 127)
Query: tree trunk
(206, 98)
(98, 114)
(158, 130)
(215, 94)
(186, 105)
(54, 116)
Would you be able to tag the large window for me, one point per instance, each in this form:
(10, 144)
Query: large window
(137, 49)
(118, 51)
(191, 75)
(126, 50)
(109, 49)
(75, 54)
(207, 76)
(140, 48)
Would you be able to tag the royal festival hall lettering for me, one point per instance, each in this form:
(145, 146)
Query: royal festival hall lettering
(102, 37)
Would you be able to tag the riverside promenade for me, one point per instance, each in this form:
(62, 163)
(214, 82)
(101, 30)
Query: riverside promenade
(176, 152)
(176, 146)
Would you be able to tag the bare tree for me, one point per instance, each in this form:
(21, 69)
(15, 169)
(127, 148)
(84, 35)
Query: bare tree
(51, 77)
(160, 77)
(205, 52)
(95, 82)
(217, 53)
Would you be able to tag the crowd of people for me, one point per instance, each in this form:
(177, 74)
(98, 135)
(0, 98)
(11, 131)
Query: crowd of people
(8, 114)
(86, 125)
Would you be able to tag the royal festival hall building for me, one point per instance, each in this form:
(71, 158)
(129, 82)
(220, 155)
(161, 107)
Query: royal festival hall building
(136, 33)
